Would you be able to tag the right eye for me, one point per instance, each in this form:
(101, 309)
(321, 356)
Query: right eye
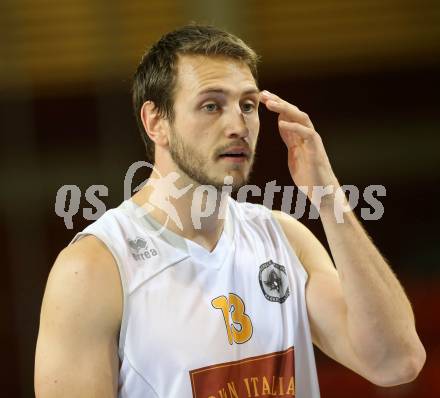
(211, 107)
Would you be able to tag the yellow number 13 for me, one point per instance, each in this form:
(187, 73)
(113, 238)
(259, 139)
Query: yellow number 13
(234, 305)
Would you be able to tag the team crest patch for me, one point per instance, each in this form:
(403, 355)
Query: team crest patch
(274, 282)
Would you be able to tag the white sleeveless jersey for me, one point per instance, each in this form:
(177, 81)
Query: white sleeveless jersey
(223, 324)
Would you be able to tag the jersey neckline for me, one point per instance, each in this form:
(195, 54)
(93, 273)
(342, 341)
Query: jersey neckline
(215, 258)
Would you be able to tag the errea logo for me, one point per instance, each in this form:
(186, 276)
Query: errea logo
(140, 250)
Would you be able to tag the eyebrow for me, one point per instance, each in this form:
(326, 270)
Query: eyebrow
(223, 91)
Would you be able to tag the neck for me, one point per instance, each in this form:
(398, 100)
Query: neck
(184, 207)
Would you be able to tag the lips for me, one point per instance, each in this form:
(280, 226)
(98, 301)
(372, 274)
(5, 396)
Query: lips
(235, 152)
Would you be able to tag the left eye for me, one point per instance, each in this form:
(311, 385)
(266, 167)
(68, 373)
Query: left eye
(248, 106)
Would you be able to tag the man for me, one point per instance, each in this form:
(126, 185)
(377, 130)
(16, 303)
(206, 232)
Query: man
(141, 304)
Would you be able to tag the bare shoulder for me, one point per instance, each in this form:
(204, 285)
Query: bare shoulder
(293, 229)
(306, 245)
(86, 272)
(89, 255)
(77, 347)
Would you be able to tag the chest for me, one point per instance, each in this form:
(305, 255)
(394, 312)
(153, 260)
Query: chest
(191, 316)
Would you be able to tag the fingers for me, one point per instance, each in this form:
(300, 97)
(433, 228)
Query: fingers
(306, 133)
(284, 108)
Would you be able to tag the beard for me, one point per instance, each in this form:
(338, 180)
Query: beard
(195, 164)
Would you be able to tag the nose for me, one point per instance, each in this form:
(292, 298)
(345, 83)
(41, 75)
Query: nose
(237, 125)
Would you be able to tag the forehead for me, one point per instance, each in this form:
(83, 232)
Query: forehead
(197, 72)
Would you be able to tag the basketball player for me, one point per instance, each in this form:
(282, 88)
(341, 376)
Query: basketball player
(141, 304)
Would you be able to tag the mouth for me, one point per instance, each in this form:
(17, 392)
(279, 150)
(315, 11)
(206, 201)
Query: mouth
(235, 155)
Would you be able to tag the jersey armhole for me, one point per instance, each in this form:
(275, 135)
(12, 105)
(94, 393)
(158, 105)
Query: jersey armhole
(295, 259)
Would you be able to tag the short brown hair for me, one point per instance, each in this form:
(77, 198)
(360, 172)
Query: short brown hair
(156, 75)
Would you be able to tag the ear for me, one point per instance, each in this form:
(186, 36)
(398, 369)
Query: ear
(155, 125)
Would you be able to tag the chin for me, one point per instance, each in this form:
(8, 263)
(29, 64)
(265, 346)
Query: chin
(238, 180)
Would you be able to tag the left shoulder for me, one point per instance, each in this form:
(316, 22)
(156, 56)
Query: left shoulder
(310, 251)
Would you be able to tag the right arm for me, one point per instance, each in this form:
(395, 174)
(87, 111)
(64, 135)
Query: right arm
(77, 348)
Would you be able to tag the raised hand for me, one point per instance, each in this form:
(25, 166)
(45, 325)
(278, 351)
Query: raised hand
(307, 160)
